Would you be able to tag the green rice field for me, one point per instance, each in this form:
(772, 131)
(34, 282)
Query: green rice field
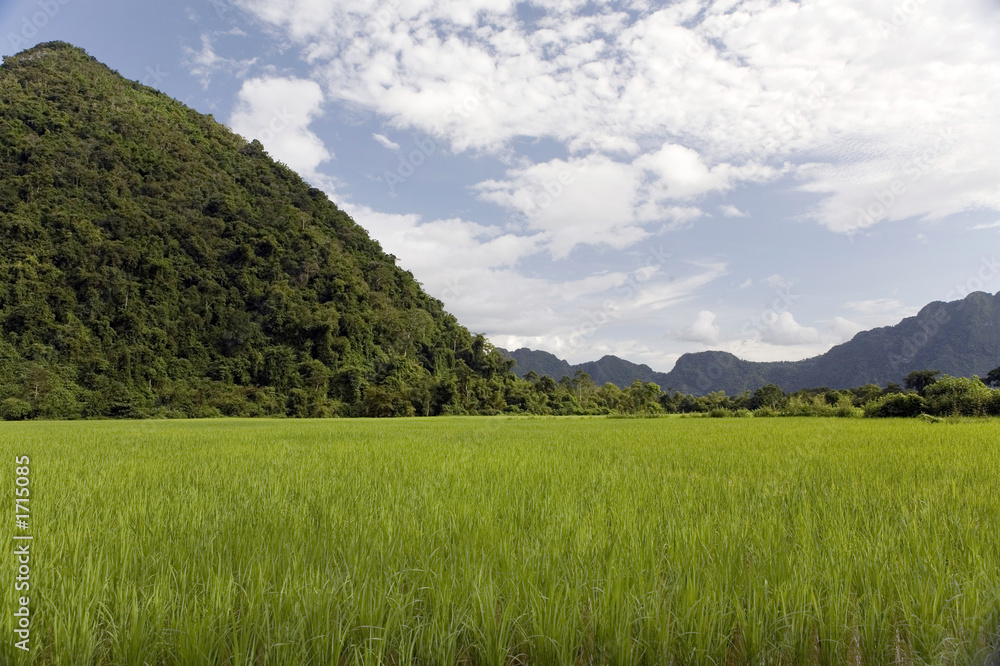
(505, 541)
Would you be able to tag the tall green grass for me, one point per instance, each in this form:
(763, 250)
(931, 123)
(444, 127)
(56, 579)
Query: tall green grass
(508, 541)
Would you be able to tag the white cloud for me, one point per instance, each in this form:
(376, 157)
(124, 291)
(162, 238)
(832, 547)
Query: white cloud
(205, 63)
(880, 311)
(842, 330)
(786, 331)
(746, 283)
(729, 210)
(681, 174)
(474, 270)
(278, 111)
(386, 142)
(876, 306)
(986, 225)
(779, 282)
(699, 96)
(762, 350)
(592, 200)
(704, 329)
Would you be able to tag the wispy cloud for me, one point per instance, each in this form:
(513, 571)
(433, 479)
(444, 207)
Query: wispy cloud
(385, 141)
(987, 225)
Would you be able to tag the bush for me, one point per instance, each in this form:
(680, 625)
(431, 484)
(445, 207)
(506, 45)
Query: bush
(958, 396)
(896, 405)
(14, 409)
(770, 396)
(993, 403)
(849, 412)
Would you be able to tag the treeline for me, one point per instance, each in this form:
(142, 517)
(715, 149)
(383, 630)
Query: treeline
(923, 392)
(477, 381)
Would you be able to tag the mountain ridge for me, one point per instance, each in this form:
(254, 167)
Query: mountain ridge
(960, 338)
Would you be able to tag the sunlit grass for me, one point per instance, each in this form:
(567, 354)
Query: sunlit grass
(501, 541)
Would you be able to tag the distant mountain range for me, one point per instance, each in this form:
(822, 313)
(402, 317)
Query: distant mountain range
(961, 338)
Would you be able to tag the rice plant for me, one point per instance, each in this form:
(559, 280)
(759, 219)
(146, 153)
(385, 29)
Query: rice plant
(503, 541)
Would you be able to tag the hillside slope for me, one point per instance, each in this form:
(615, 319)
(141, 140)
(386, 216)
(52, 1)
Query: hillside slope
(155, 263)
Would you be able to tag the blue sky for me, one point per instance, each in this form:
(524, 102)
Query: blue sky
(636, 178)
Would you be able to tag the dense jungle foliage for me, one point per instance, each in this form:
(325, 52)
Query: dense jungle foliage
(155, 263)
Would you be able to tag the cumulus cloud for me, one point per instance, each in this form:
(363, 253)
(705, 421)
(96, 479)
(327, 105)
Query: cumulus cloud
(704, 329)
(593, 200)
(648, 112)
(842, 329)
(786, 331)
(695, 97)
(277, 111)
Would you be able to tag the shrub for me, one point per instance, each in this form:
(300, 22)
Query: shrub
(769, 395)
(849, 412)
(896, 405)
(958, 396)
(14, 409)
(993, 403)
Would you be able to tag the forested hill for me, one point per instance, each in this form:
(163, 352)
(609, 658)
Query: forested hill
(961, 338)
(611, 369)
(154, 263)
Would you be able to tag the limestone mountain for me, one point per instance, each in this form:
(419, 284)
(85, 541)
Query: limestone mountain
(961, 338)
(155, 263)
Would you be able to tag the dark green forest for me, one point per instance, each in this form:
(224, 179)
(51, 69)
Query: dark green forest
(155, 264)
